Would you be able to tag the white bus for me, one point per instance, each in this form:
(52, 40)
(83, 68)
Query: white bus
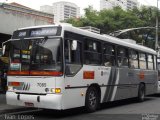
(62, 67)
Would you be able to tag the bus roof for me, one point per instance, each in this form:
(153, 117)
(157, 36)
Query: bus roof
(107, 38)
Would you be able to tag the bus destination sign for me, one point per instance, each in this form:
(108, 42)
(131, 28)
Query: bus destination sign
(37, 32)
(22, 34)
(43, 32)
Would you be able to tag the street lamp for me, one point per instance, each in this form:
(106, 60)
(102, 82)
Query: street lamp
(156, 42)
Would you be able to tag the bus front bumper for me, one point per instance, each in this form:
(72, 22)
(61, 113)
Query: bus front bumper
(48, 101)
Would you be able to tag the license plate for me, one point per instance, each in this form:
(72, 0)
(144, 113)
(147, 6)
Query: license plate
(28, 104)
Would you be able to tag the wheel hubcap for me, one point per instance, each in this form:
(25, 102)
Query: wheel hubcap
(92, 99)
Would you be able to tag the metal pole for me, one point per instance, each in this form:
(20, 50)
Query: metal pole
(156, 43)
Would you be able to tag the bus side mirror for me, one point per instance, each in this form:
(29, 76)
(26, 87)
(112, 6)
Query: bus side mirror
(74, 45)
(3, 49)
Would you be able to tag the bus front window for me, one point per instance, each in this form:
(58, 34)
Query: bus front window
(46, 55)
(37, 54)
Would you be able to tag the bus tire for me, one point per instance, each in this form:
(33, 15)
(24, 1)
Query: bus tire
(92, 99)
(141, 93)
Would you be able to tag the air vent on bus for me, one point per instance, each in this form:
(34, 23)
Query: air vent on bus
(91, 29)
(129, 41)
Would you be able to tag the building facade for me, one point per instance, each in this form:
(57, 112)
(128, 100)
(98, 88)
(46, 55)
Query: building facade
(130, 4)
(16, 16)
(124, 4)
(47, 9)
(64, 10)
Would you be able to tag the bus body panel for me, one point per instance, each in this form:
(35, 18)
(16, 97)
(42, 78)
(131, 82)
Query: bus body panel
(32, 84)
(117, 84)
(49, 101)
(76, 86)
(129, 81)
(36, 88)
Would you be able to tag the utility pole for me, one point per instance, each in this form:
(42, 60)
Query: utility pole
(156, 42)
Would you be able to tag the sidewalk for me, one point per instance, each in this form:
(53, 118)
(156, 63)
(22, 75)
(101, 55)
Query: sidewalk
(4, 108)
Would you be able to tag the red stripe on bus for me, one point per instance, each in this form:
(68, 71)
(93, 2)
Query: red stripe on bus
(46, 73)
(35, 73)
(18, 73)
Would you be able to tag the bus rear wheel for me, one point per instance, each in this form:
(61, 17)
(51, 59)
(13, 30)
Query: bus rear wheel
(141, 93)
(92, 99)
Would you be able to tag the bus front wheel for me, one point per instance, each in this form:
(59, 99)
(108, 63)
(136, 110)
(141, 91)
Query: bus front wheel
(141, 93)
(92, 99)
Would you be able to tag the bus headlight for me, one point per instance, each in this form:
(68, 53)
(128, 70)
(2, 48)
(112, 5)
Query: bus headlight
(52, 90)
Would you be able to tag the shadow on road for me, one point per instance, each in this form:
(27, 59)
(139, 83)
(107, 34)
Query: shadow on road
(54, 114)
(155, 95)
(122, 103)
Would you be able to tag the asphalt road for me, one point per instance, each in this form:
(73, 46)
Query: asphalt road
(120, 110)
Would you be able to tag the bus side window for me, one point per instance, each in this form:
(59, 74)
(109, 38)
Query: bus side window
(133, 59)
(109, 55)
(122, 57)
(150, 62)
(142, 61)
(155, 62)
(73, 57)
(92, 52)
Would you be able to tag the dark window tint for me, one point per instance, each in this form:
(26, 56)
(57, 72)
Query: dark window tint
(142, 61)
(92, 52)
(150, 62)
(109, 55)
(122, 57)
(92, 46)
(133, 59)
(73, 57)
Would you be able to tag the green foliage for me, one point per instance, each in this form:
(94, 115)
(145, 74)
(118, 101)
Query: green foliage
(116, 18)
(146, 14)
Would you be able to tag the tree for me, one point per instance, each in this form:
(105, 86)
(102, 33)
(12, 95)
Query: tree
(147, 14)
(116, 18)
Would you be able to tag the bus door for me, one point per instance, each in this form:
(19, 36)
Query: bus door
(124, 83)
(133, 71)
(73, 72)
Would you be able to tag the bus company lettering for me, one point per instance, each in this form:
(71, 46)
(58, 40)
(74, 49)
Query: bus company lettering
(103, 68)
(88, 75)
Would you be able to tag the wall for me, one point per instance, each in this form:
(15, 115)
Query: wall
(12, 20)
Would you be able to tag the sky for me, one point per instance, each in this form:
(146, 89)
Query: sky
(35, 4)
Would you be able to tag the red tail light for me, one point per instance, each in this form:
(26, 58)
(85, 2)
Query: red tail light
(16, 84)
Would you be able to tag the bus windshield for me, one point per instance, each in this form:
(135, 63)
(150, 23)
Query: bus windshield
(36, 54)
